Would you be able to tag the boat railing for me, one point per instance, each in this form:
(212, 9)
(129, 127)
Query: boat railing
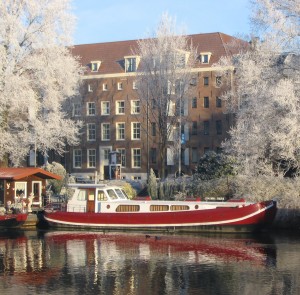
(56, 206)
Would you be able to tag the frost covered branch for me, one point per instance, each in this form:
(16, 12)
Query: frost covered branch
(38, 75)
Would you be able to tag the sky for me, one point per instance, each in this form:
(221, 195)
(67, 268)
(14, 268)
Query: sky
(116, 20)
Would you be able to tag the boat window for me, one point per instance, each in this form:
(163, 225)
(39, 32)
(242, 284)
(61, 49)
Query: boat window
(128, 208)
(101, 196)
(112, 194)
(91, 195)
(82, 195)
(159, 208)
(121, 194)
(179, 207)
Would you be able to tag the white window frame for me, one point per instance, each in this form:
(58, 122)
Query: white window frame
(91, 132)
(118, 131)
(120, 85)
(129, 68)
(91, 108)
(23, 186)
(90, 89)
(105, 108)
(171, 108)
(118, 107)
(106, 152)
(105, 87)
(135, 106)
(39, 194)
(105, 131)
(136, 158)
(135, 130)
(76, 109)
(95, 65)
(134, 85)
(122, 151)
(205, 57)
(130, 64)
(79, 155)
(91, 153)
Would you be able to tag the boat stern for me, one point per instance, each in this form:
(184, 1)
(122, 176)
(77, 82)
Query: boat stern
(270, 211)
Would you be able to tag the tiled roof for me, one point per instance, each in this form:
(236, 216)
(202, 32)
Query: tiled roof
(20, 173)
(111, 53)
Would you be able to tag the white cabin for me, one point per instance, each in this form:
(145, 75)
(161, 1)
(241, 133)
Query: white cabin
(89, 197)
(100, 198)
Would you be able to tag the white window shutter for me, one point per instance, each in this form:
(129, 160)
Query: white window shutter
(186, 132)
(170, 157)
(186, 156)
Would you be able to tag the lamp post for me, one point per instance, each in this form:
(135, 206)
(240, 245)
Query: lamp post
(148, 160)
(179, 131)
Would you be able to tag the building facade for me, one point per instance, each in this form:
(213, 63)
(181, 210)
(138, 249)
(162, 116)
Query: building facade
(114, 121)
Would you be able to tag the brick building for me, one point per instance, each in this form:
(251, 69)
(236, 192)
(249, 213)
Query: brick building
(109, 108)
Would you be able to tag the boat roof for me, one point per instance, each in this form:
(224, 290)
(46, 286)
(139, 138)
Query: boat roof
(91, 185)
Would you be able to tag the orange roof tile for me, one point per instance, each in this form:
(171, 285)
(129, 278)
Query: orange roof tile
(19, 173)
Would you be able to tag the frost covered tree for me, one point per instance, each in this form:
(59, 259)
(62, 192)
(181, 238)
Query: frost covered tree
(265, 95)
(37, 77)
(163, 81)
(278, 23)
(152, 185)
(56, 185)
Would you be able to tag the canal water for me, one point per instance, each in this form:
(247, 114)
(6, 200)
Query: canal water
(81, 262)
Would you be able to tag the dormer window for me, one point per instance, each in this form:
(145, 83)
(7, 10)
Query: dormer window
(131, 63)
(95, 65)
(205, 57)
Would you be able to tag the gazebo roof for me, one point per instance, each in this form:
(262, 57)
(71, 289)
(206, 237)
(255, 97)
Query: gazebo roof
(20, 173)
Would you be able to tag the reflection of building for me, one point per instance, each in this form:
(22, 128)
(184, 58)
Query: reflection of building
(113, 115)
(16, 184)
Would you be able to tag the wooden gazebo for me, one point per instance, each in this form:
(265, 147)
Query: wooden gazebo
(17, 184)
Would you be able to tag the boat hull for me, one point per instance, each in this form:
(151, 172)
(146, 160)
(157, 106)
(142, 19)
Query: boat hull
(248, 218)
(8, 221)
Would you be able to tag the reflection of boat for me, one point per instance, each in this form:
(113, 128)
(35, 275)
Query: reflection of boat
(193, 248)
(12, 220)
(107, 207)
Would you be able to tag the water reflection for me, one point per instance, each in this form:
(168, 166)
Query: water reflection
(129, 263)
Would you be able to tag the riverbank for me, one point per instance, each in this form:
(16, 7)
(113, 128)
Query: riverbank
(31, 222)
(288, 219)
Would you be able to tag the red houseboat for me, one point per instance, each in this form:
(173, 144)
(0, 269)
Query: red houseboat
(104, 207)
